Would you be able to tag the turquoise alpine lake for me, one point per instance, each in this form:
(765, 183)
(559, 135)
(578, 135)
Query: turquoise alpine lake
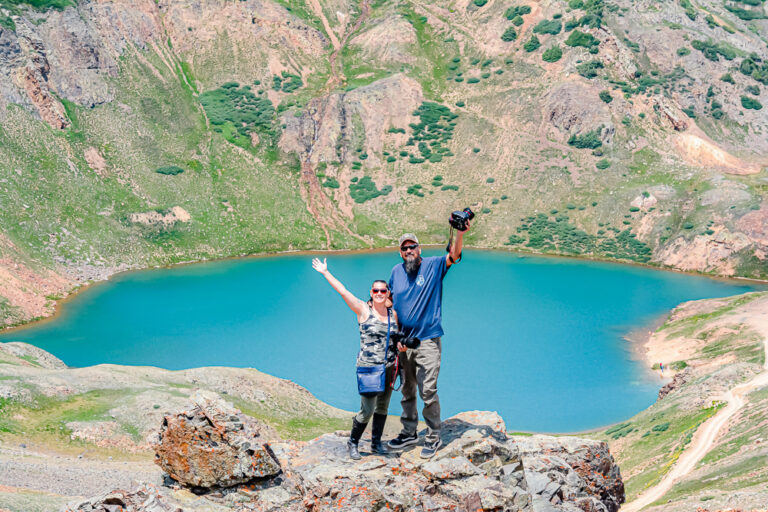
(540, 340)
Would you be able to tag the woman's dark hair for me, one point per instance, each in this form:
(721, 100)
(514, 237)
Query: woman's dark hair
(389, 300)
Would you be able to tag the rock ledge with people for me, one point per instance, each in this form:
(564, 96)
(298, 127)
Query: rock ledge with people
(219, 459)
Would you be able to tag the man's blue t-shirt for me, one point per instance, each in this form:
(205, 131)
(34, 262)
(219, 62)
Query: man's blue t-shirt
(418, 298)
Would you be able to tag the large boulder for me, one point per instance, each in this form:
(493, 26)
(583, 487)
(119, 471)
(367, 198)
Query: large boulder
(211, 444)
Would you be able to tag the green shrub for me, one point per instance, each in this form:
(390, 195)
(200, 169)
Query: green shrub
(683, 50)
(479, 3)
(435, 127)
(603, 164)
(509, 35)
(517, 21)
(713, 51)
(548, 27)
(753, 89)
(475, 150)
(460, 103)
(589, 69)
(717, 113)
(750, 103)
(244, 110)
(486, 210)
(727, 78)
(571, 24)
(606, 96)
(552, 54)
(690, 11)
(365, 190)
(396, 130)
(745, 14)
(532, 44)
(169, 170)
(415, 190)
(331, 183)
(661, 427)
(391, 159)
(576, 4)
(756, 68)
(589, 140)
(518, 10)
(690, 112)
(579, 38)
(688, 225)
(450, 187)
(634, 209)
(489, 180)
(473, 80)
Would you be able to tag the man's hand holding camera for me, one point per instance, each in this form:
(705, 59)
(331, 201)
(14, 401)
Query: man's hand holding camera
(460, 221)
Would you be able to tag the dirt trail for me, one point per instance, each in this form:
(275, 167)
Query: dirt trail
(318, 10)
(705, 437)
(319, 204)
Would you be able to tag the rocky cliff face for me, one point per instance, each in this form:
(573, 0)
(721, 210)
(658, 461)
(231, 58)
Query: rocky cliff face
(640, 123)
(479, 468)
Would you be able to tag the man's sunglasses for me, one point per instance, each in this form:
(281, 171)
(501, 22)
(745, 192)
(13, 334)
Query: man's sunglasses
(380, 290)
(412, 247)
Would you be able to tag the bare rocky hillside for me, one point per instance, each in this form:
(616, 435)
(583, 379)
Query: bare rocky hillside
(137, 133)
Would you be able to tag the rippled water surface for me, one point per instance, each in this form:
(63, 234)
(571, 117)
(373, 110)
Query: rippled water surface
(537, 339)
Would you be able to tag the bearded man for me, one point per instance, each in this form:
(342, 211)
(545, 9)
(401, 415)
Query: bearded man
(416, 285)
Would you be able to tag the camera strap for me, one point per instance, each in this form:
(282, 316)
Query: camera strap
(448, 247)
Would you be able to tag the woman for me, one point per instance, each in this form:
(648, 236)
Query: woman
(375, 317)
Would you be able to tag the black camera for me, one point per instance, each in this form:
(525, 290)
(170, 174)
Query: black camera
(409, 342)
(459, 219)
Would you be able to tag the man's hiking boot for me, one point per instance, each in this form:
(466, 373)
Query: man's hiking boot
(403, 440)
(354, 438)
(430, 449)
(376, 430)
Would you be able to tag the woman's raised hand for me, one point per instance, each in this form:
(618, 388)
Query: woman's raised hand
(320, 266)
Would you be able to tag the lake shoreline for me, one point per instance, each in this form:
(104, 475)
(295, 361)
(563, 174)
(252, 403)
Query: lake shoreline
(348, 252)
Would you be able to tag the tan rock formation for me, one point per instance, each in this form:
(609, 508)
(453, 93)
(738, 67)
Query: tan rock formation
(214, 445)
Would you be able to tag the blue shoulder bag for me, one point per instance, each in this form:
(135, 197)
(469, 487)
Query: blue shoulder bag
(372, 380)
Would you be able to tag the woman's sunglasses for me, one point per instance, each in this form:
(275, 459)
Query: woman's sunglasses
(380, 290)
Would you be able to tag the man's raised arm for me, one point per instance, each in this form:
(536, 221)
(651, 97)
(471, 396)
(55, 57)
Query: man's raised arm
(455, 253)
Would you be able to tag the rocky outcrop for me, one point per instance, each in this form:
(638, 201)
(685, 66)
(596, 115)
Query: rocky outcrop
(33, 355)
(677, 382)
(164, 219)
(146, 498)
(213, 445)
(569, 109)
(479, 468)
(562, 470)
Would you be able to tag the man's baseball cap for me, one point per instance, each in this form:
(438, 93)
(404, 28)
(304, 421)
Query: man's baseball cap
(408, 236)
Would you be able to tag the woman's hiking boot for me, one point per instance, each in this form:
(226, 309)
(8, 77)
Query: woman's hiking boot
(354, 438)
(376, 430)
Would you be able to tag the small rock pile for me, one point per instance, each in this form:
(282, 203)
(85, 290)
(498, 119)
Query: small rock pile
(225, 457)
(145, 498)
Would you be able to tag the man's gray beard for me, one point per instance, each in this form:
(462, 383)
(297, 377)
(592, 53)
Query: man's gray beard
(412, 265)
